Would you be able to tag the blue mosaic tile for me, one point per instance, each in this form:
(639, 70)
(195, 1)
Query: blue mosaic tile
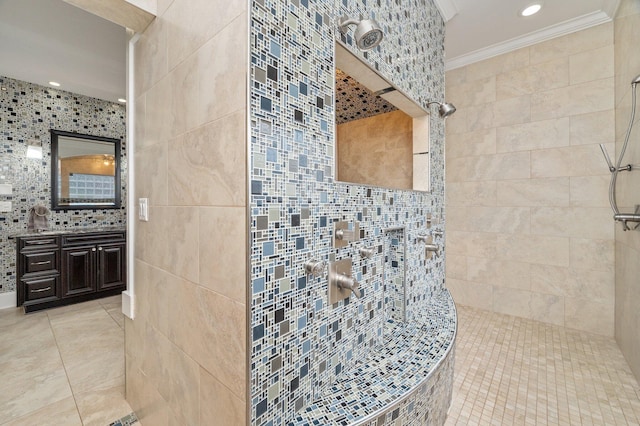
(307, 346)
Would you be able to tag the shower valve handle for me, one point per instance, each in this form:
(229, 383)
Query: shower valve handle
(345, 282)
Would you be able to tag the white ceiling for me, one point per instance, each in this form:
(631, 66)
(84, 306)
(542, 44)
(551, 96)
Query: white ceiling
(480, 29)
(45, 40)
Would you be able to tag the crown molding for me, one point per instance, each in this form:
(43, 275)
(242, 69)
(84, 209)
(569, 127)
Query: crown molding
(563, 28)
(448, 8)
(610, 7)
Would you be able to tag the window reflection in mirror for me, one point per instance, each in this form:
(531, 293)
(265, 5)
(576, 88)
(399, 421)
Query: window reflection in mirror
(85, 171)
(382, 136)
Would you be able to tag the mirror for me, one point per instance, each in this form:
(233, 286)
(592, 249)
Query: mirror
(85, 171)
(382, 136)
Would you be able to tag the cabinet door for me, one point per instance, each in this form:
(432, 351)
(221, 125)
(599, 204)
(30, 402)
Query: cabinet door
(112, 270)
(78, 270)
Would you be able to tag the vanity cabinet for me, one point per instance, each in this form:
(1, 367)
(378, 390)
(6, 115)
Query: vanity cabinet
(69, 268)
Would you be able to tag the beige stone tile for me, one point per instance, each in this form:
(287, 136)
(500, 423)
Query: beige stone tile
(139, 134)
(211, 319)
(578, 222)
(593, 128)
(548, 250)
(471, 193)
(573, 282)
(478, 117)
(15, 326)
(512, 111)
(185, 107)
(535, 78)
(552, 133)
(455, 77)
(479, 142)
(151, 176)
(587, 315)
(560, 47)
(151, 56)
(101, 407)
(16, 316)
(224, 251)
(490, 219)
(499, 273)
(224, 71)
(498, 64)
(458, 122)
(170, 240)
(576, 99)
(158, 118)
(218, 403)
(591, 65)
(583, 160)
(547, 308)
(512, 301)
(477, 92)
(592, 254)
(188, 30)
(145, 400)
(104, 370)
(31, 383)
(533, 192)
(481, 244)
(489, 167)
(456, 266)
(63, 412)
(589, 191)
(471, 294)
(627, 8)
(214, 157)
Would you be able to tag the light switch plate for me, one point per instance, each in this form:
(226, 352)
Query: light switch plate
(6, 189)
(143, 209)
(5, 206)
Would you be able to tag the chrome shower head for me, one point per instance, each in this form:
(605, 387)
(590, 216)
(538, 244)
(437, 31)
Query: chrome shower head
(368, 33)
(635, 80)
(445, 109)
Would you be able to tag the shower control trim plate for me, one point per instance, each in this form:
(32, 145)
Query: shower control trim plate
(338, 272)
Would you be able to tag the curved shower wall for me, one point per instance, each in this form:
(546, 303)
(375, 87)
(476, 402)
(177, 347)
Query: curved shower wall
(299, 343)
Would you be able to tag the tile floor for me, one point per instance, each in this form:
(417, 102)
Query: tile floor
(513, 371)
(63, 366)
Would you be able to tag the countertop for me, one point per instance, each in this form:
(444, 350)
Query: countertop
(83, 230)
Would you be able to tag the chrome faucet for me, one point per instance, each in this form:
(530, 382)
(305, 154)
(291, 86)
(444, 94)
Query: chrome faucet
(349, 283)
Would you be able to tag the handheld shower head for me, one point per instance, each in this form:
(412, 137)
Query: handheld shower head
(368, 33)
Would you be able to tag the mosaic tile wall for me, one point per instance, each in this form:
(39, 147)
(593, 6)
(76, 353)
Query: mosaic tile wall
(300, 343)
(29, 111)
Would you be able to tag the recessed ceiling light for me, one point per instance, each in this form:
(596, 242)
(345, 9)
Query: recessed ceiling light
(124, 101)
(54, 83)
(531, 9)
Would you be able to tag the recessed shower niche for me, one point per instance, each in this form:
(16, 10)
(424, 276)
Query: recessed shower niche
(382, 136)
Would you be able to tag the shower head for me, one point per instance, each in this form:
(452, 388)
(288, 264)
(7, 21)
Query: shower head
(368, 33)
(635, 80)
(445, 109)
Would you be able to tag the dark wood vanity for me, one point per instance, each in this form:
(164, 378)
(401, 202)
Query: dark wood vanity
(58, 268)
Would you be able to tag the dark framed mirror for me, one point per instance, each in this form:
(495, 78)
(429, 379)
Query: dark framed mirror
(85, 171)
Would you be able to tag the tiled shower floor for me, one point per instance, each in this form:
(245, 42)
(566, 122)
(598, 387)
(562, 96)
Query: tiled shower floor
(509, 371)
(512, 371)
(63, 366)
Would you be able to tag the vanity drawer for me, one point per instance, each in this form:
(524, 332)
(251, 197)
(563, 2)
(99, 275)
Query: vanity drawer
(39, 243)
(40, 261)
(40, 288)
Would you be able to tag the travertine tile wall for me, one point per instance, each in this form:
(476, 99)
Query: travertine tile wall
(186, 348)
(627, 67)
(529, 229)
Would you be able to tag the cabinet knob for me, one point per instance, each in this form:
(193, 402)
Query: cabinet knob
(93, 249)
(99, 248)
